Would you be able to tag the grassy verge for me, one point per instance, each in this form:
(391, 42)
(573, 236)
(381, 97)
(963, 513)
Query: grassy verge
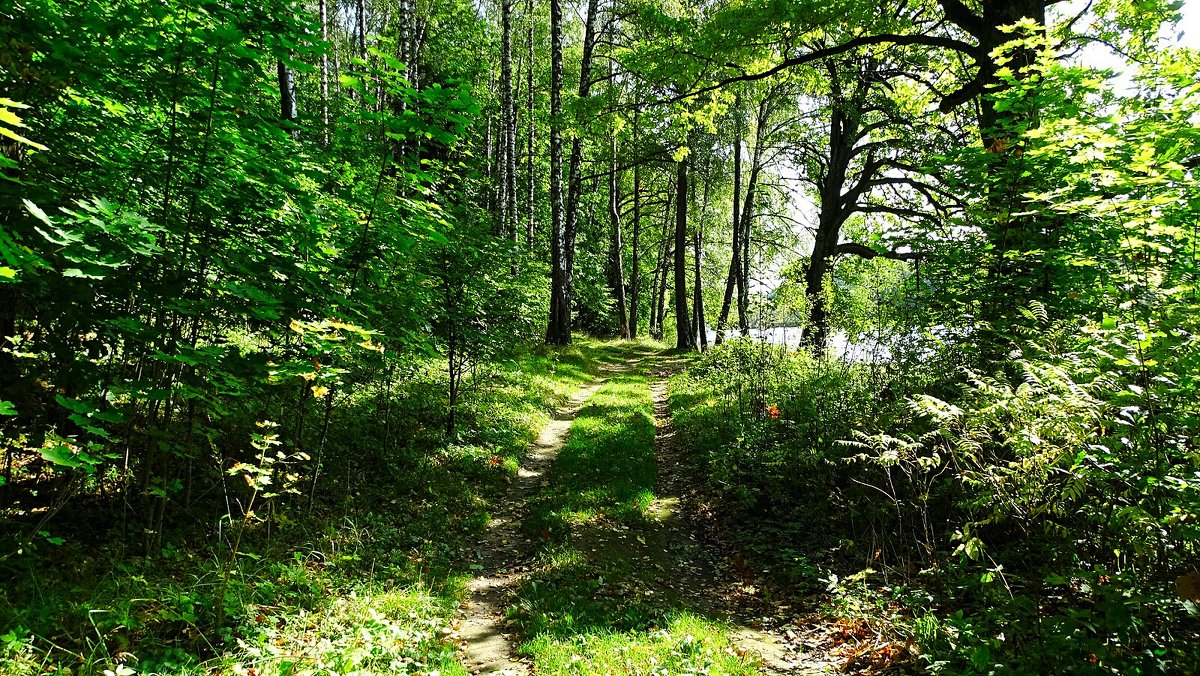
(602, 597)
(890, 552)
(366, 579)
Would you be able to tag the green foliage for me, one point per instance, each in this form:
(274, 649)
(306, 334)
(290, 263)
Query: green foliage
(770, 417)
(182, 258)
(355, 583)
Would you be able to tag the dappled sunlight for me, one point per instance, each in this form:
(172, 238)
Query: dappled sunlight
(603, 594)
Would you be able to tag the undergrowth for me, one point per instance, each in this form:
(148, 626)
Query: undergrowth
(362, 574)
(997, 525)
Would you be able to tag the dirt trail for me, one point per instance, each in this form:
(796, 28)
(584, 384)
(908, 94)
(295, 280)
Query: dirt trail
(689, 565)
(488, 647)
(700, 565)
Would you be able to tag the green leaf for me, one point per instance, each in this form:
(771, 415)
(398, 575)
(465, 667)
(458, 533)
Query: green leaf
(75, 405)
(5, 131)
(61, 455)
(56, 541)
(7, 408)
(37, 212)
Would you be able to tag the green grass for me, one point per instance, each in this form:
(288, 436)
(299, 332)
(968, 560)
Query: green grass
(367, 580)
(686, 644)
(606, 470)
(602, 598)
(370, 579)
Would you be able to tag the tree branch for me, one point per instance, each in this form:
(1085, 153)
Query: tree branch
(966, 92)
(816, 55)
(864, 251)
(960, 15)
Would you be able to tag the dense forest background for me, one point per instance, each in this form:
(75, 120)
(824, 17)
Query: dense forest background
(287, 287)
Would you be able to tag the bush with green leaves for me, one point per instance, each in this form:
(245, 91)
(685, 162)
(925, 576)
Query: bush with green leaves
(770, 418)
(1061, 486)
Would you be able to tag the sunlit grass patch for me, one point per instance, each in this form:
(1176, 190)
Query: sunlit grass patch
(606, 470)
(685, 644)
(600, 601)
(397, 631)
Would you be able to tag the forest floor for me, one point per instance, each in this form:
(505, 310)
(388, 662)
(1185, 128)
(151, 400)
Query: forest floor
(604, 555)
(595, 547)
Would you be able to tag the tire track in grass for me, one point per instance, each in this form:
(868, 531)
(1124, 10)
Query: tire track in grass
(488, 647)
(487, 643)
(701, 560)
(605, 594)
(754, 622)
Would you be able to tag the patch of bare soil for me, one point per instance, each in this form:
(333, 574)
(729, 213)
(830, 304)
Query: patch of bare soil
(487, 645)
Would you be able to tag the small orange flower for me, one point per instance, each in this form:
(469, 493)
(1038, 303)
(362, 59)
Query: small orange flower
(773, 411)
(1093, 659)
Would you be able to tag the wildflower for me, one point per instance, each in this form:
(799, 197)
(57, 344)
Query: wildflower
(773, 411)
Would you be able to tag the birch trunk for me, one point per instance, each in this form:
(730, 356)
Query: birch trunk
(508, 154)
(614, 214)
(530, 226)
(635, 276)
(558, 331)
(684, 340)
(323, 10)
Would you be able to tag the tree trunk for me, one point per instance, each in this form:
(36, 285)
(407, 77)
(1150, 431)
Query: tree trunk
(530, 226)
(635, 263)
(558, 331)
(652, 311)
(287, 96)
(733, 279)
(362, 29)
(701, 330)
(574, 182)
(664, 259)
(489, 166)
(614, 214)
(417, 35)
(1015, 274)
(658, 289)
(747, 225)
(684, 340)
(508, 209)
(660, 302)
(323, 11)
(843, 135)
(816, 333)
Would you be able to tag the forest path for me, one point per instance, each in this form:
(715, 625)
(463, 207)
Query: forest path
(488, 645)
(663, 563)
